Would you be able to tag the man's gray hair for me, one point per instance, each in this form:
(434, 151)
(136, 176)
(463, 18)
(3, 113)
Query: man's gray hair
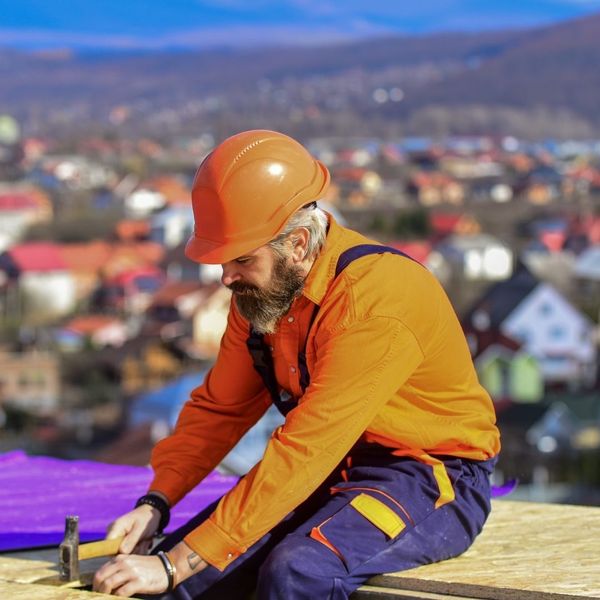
(312, 218)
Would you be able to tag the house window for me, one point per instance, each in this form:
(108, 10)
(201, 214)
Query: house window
(557, 332)
(545, 309)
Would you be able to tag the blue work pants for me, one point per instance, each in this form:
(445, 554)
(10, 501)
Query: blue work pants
(376, 513)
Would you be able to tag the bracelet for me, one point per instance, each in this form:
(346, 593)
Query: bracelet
(169, 568)
(160, 505)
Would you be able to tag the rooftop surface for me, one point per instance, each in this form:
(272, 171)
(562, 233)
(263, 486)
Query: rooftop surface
(39, 492)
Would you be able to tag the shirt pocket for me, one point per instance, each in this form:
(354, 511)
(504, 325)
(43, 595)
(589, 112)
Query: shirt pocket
(365, 526)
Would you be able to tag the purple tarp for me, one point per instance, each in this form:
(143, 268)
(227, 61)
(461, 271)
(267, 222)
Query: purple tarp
(37, 493)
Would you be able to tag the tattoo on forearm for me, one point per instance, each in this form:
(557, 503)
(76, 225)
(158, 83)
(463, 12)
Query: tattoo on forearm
(193, 560)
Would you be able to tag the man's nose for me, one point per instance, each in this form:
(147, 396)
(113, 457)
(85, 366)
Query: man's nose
(230, 273)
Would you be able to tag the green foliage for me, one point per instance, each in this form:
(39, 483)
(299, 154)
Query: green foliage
(413, 223)
(76, 229)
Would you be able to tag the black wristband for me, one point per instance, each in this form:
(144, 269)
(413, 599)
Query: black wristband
(160, 505)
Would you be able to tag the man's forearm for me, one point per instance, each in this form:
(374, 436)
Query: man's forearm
(186, 561)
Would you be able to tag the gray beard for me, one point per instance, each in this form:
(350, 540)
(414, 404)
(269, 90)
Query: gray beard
(265, 307)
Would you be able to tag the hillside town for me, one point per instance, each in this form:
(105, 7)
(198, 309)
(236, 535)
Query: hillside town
(105, 325)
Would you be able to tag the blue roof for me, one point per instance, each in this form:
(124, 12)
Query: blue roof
(164, 404)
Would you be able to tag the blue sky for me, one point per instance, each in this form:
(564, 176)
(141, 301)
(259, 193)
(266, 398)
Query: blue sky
(148, 24)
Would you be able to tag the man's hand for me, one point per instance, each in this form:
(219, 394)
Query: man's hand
(137, 527)
(126, 575)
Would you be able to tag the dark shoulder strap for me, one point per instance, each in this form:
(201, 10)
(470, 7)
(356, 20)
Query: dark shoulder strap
(355, 252)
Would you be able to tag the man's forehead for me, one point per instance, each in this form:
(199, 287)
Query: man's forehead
(258, 252)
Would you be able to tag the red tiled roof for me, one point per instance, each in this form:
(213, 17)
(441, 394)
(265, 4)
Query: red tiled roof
(444, 223)
(417, 249)
(38, 256)
(16, 201)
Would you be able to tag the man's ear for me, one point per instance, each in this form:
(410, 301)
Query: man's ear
(300, 238)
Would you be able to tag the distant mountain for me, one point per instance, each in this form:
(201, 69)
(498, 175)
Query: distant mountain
(543, 81)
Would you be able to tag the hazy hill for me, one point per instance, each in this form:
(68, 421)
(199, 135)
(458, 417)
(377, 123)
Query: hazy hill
(543, 81)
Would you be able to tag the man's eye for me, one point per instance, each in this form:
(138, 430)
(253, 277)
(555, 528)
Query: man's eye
(243, 260)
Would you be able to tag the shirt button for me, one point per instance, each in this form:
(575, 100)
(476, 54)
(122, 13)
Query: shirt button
(271, 348)
(230, 555)
(290, 319)
(293, 369)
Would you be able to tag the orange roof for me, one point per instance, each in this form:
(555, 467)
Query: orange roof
(125, 256)
(130, 229)
(434, 178)
(89, 324)
(90, 256)
(174, 189)
(111, 258)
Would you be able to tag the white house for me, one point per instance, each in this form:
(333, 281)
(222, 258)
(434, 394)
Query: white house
(556, 333)
(543, 321)
(172, 226)
(477, 256)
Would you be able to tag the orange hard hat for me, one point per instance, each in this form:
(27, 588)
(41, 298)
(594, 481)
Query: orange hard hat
(245, 191)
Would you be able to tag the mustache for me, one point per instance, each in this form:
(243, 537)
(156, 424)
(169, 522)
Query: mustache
(244, 289)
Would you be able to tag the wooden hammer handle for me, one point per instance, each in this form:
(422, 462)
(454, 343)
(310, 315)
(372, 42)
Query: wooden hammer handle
(101, 548)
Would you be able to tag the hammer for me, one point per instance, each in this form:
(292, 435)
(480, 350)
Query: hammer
(70, 551)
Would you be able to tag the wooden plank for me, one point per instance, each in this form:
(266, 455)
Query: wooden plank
(527, 550)
(42, 567)
(24, 591)
(371, 592)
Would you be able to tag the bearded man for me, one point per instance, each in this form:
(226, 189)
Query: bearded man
(384, 458)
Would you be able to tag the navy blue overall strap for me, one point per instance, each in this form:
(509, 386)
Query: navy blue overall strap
(261, 352)
(355, 252)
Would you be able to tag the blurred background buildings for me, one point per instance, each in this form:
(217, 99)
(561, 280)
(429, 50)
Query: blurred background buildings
(469, 141)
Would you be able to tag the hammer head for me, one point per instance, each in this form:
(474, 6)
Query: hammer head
(68, 551)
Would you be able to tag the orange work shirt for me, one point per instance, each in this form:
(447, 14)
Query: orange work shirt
(388, 361)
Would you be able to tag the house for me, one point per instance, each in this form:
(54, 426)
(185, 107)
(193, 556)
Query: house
(173, 225)
(444, 224)
(126, 256)
(418, 250)
(132, 230)
(142, 202)
(543, 321)
(176, 300)
(130, 291)
(434, 188)
(96, 330)
(587, 272)
(209, 322)
(543, 184)
(85, 262)
(30, 381)
(79, 172)
(477, 257)
(161, 408)
(20, 207)
(512, 375)
(35, 281)
(357, 184)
